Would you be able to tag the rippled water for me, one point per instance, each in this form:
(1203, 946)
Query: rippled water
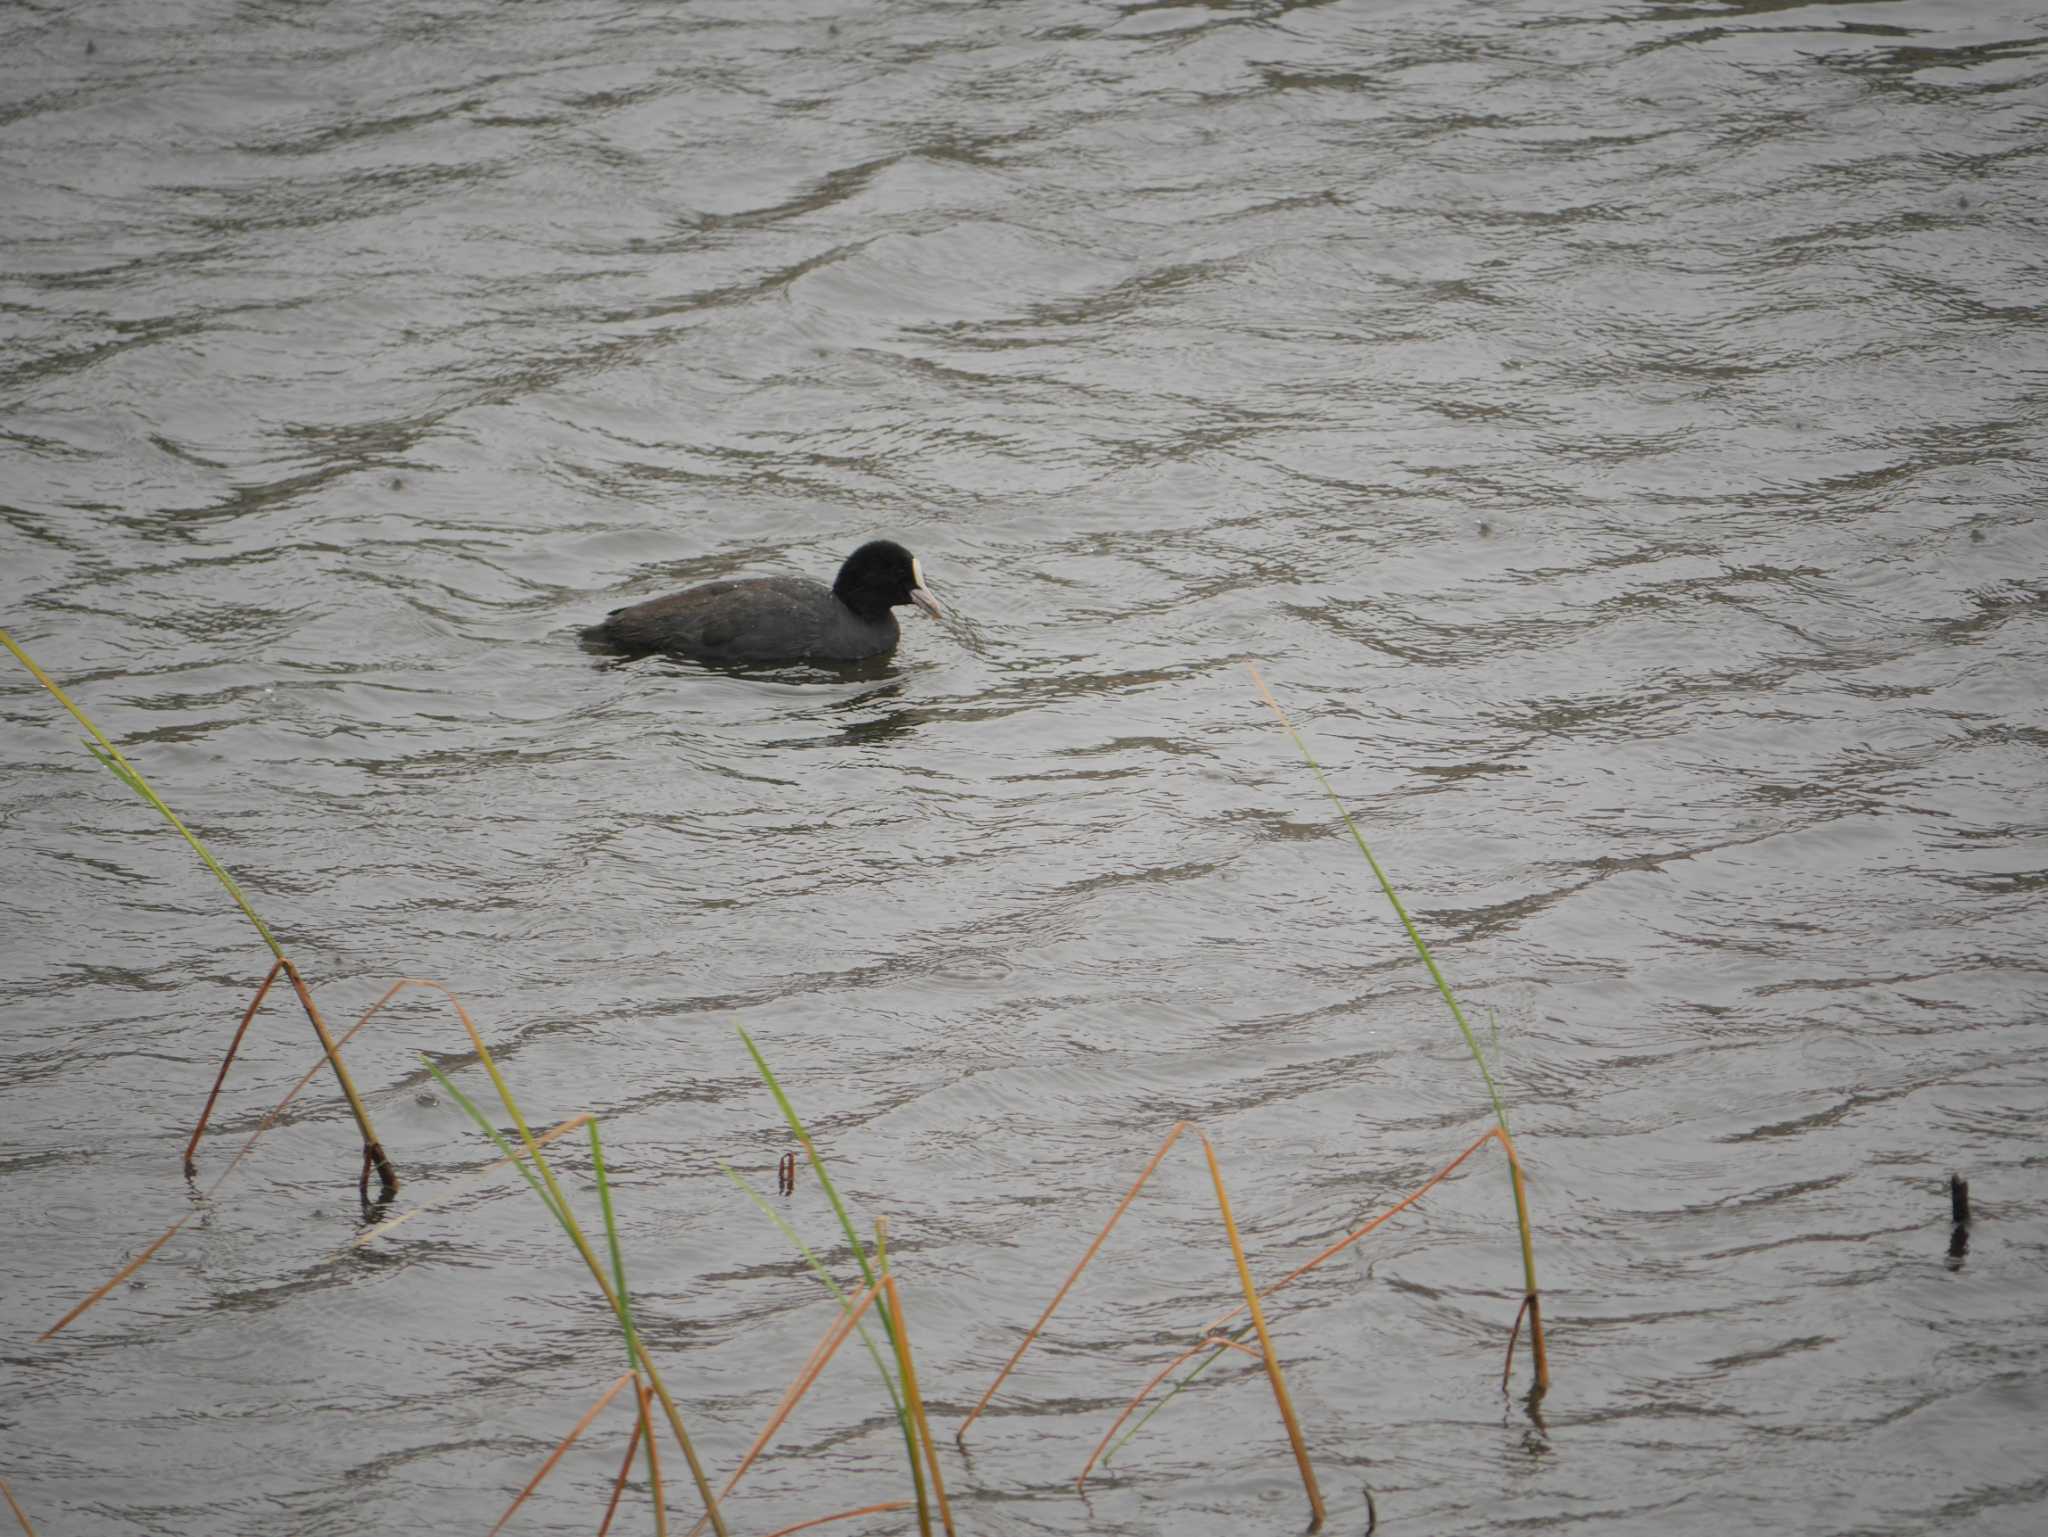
(1615, 430)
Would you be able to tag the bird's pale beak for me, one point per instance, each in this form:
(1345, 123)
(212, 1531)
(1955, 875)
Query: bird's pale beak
(920, 594)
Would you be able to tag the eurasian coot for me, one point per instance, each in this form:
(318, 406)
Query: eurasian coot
(779, 618)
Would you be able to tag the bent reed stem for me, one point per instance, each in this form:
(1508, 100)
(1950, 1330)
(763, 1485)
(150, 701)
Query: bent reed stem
(116, 763)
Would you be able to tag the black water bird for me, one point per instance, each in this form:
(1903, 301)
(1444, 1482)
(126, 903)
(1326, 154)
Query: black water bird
(779, 618)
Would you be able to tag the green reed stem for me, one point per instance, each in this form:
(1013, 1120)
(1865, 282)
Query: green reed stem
(796, 1126)
(634, 1355)
(860, 1252)
(1173, 1391)
(549, 1189)
(611, 1235)
(1436, 974)
(817, 1269)
(497, 1137)
(111, 758)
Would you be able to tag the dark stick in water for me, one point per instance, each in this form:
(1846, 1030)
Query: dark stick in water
(1959, 1218)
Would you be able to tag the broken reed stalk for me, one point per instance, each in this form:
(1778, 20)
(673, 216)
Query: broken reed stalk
(1531, 1302)
(640, 1428)
(220, 1079)
(112, 759)
(1074, 1275)
(373, 1150)
(269, 1120)
(1273, 1373)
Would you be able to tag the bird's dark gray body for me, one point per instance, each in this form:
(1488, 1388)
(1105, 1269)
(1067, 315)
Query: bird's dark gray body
(769, 619)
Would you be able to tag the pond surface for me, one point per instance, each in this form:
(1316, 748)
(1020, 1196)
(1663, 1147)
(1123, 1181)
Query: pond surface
(1616, 433)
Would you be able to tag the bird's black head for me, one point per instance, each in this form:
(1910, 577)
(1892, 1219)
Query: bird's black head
(882, 575)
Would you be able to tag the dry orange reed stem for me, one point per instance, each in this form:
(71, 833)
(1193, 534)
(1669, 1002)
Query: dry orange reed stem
(373, 1150)
(1273, 1373)
(1406, 1201)
(1212, 1339)
(924, 1429)
(640, 1428)
(19, 1514)
(835, 1336)
(844, 1515)
(1210, 1342)
(1060, 1296)
(556, 1455)
(1267, 1354)
(269, 1120)
(1215, 1340)
(220, 1078)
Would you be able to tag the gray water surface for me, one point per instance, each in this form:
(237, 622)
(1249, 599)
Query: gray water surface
(1615, 431)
